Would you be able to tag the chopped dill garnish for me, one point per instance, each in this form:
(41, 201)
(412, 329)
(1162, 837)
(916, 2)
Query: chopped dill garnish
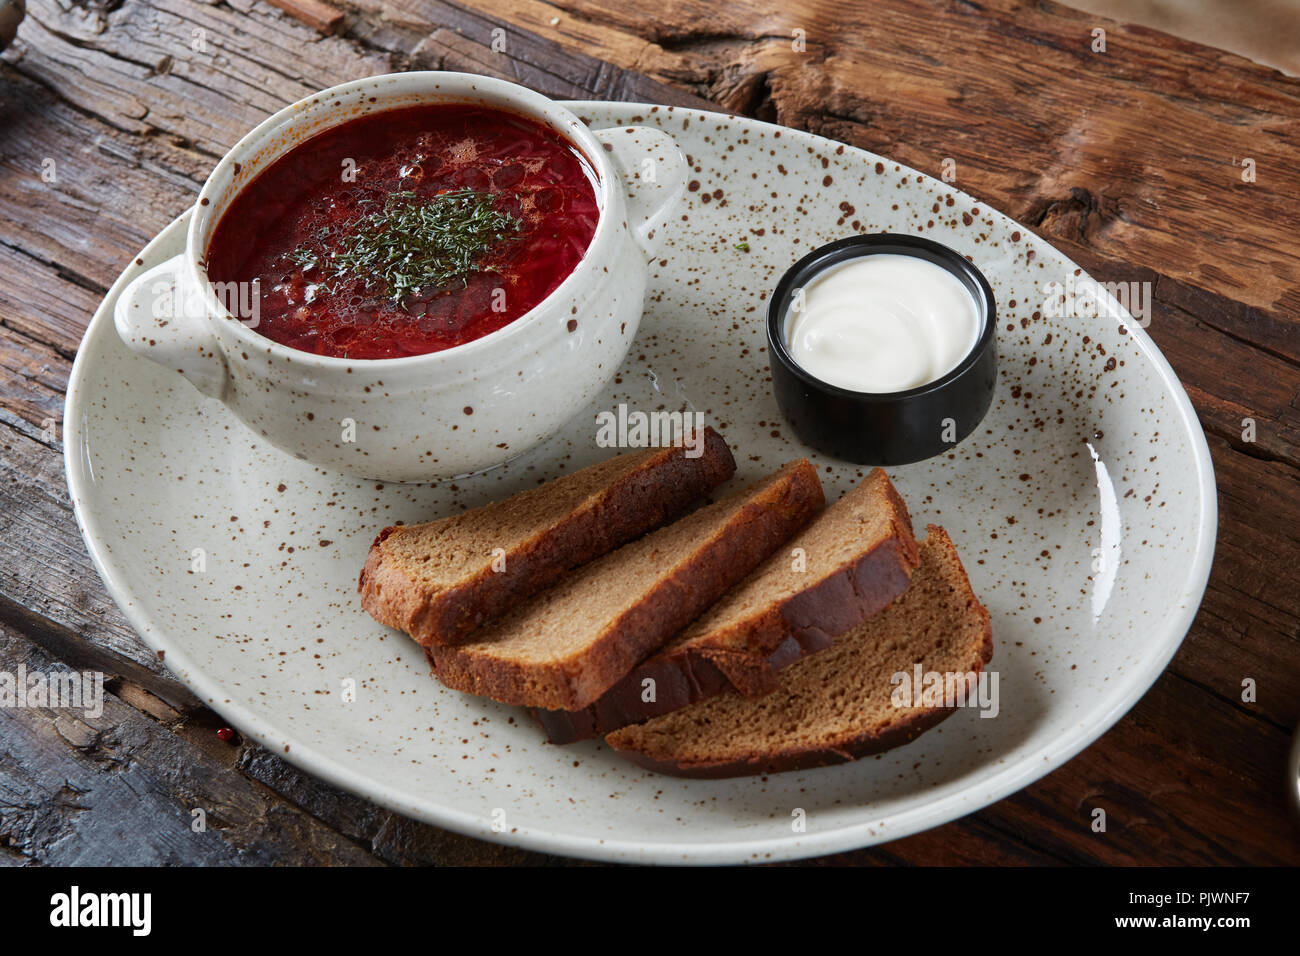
(742, 246)
(411, 244)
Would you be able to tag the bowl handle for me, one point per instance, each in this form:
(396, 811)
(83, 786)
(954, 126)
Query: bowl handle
(158, 317)
(654, 174)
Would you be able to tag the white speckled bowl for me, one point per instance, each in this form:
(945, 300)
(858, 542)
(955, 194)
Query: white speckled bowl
(442, 414)
(1090, 456)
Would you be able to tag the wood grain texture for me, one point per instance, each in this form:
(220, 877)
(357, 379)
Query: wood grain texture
(1129, 161)
(321, 17)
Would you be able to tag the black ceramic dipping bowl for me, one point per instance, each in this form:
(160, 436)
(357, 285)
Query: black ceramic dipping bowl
(883, 428)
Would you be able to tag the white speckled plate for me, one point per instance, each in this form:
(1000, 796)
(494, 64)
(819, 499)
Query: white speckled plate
(1091, 453)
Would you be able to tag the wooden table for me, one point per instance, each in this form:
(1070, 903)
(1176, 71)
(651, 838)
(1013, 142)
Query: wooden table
(1136, 161)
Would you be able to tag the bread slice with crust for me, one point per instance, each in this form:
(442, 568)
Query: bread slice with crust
(836, 705)
(852, 561)
(439, 580)
(565, 647)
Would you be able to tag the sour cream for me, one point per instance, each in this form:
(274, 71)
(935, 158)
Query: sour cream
(882, 323)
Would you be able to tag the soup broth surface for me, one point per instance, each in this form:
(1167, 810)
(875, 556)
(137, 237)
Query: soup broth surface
(502, 206)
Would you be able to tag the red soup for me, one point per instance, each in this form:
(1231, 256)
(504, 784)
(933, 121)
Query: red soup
(406, 232)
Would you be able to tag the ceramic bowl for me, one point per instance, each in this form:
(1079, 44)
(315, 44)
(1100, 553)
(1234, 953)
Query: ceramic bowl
(442, 414)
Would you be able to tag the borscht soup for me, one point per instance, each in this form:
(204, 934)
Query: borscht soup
(407, 231)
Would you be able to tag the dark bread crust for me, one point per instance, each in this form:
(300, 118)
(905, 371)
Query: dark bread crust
(645, 498)
(818, 614)
(895, 734)
(804, 623)
(754, 532)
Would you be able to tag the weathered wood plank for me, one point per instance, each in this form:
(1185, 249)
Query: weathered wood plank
(1183, 781)
(43, 304)
(321, 17)
(446, 36)
(77, 197)
(204, 72)
(33, 378)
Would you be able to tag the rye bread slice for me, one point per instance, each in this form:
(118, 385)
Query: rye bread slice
(854, 559)
(565, 647)
(834, 706)
(437, 580)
